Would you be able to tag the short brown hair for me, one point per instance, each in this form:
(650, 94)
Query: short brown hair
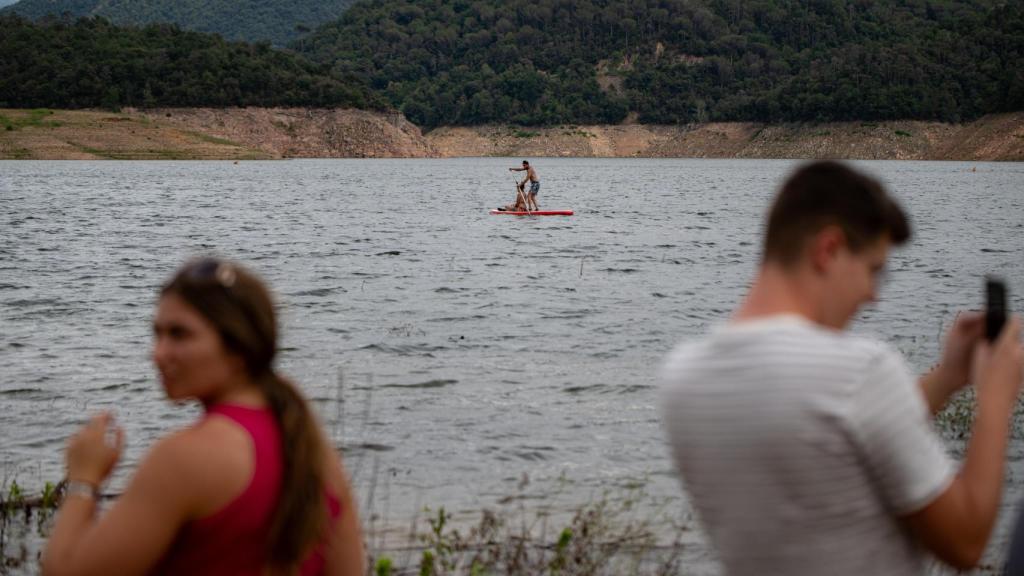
(829, 193)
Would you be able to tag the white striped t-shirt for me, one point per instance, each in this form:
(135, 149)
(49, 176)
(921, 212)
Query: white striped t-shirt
(800, 446)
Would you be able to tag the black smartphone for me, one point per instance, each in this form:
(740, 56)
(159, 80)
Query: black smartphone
(995, 307)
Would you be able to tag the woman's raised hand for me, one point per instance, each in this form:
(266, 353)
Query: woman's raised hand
(93, 452)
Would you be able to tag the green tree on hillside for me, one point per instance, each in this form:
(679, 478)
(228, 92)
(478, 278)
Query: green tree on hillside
(92, 63)
(274, 21)
(544, 61)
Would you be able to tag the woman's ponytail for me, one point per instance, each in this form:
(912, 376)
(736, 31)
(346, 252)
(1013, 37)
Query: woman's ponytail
(301, 515)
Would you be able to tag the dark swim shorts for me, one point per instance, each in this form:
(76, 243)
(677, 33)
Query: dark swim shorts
(534, 187)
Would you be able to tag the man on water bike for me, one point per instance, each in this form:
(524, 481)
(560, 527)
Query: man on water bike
(531, 176)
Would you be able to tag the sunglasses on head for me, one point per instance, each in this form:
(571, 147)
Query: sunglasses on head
(212, 269)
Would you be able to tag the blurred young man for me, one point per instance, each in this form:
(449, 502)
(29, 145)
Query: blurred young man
(807, 450)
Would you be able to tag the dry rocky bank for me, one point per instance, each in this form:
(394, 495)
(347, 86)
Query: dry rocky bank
(264, 133)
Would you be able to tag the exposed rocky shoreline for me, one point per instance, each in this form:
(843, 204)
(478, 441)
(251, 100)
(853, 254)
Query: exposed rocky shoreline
(266, 133)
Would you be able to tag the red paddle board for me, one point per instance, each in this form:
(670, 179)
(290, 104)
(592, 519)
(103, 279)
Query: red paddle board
(534, 213)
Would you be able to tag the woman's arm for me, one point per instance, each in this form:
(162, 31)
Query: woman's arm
(134, 534)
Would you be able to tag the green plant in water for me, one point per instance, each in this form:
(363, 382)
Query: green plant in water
(442, 544)
(902, 133)
(49, 498)
(14, 494)
(427, 564)
(437, 524)
(15, 498)
(47, 503)
(559, 561)
(383, 566)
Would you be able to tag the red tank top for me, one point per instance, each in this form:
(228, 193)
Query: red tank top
(231, 541)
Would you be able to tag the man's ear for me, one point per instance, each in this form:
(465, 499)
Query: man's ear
(825, 246)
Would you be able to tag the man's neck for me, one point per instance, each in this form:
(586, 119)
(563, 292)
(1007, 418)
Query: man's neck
(777, 290)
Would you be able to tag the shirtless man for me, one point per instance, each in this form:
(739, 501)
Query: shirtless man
(531, 176)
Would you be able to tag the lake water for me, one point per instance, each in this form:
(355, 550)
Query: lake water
(449, 352)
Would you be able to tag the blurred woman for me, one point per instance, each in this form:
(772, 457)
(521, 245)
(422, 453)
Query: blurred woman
(253, 487)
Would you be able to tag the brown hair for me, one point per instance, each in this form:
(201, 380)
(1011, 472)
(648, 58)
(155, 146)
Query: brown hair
(238, 304)
(829, 193)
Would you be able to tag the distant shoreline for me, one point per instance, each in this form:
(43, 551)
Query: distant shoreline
(269, 133)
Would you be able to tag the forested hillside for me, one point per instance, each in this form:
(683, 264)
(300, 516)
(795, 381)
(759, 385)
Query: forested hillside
(275, 21)
(543, 62)
(92, 63)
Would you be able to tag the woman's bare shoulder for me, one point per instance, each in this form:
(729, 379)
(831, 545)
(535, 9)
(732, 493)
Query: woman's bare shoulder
(210, 463)
(211, 446)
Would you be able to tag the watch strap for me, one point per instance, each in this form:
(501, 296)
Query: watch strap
(82, 489)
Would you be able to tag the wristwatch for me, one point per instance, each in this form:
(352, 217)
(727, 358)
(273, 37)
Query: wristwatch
(82, 489)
